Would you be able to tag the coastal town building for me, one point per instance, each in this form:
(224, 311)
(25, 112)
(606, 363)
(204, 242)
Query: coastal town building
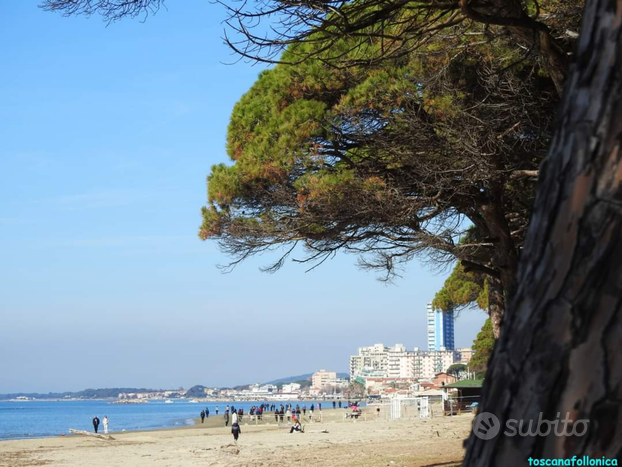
(443, 379)
(400, 362)
(320, 378)
(337, 384)
(463, 355)
(370, 362)
(431, 327)
(381, 368)
(379, 361)
(440, 329)
(426, 364)
(291, 388)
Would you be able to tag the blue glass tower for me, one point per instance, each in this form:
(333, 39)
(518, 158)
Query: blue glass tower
(440, 329)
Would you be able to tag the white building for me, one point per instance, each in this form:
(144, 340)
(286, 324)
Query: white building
(338, 382)
(379, 361)
(399, 362)
(369, 361)
(426, 364)
(291, 388)
(431, 327)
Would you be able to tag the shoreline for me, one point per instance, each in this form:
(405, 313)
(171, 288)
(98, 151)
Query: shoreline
(213, 421)
(178, 423)
(334, 442)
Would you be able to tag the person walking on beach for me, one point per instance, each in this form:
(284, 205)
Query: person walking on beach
(95, 423)
(234, 417)
(226, 418)
(206, 412)
(236, 431)
(334, 404)
(105, 421)
(216, 409)
(202, 416)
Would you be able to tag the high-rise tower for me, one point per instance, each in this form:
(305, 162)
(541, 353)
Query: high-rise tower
(440, 329)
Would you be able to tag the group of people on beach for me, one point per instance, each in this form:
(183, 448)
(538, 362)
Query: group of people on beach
(96, 423)
(235, 416)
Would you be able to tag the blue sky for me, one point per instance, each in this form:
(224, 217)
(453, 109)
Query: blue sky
(106, 137)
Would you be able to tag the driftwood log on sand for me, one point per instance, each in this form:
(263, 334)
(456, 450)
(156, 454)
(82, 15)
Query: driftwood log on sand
(88, 433)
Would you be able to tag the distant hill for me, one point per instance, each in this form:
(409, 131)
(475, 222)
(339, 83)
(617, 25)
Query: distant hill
(307, 376)
(196, 391)
(85, 394)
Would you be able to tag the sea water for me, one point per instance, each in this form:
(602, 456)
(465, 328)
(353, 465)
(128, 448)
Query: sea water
(40, 419)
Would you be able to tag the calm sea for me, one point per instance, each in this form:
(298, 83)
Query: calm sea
(40, 419)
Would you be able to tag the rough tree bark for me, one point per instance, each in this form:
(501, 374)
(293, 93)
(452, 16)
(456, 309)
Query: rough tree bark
(496, 305)
(561, 350)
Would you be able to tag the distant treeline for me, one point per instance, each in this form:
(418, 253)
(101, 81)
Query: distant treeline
(85, 394)
(194, 391)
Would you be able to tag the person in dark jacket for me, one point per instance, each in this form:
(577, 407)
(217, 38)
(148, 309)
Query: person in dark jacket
(236, 431)
(226, 418)
(95, 423)
(202, 416)
(296, 427)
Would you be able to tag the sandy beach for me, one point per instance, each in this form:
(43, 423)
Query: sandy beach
(372, 442)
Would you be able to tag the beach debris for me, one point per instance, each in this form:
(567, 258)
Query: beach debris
(230, 448)
(88, 433)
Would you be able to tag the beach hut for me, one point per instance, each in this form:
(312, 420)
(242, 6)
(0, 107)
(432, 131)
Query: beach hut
(462, 396)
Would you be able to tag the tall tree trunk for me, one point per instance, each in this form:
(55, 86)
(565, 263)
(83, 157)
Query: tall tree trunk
(505, 256)
(560, 350)
(496, 304)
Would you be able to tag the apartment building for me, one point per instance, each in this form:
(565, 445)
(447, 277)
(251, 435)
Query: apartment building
(321, 378)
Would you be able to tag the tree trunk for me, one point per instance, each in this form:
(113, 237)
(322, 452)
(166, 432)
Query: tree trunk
(496, 304)
(505, 256)
(560, 350)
